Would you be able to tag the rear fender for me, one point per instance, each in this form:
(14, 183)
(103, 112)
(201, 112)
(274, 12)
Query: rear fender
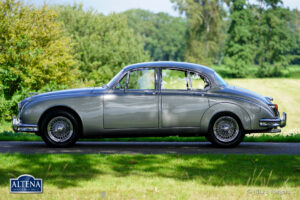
(219, 108)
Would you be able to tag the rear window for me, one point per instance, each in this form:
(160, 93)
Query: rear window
(220, 80)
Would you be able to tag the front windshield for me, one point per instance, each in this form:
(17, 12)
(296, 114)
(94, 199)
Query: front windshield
(111, 82)
(220, 80)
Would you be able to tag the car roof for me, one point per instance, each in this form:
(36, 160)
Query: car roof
(172, 64)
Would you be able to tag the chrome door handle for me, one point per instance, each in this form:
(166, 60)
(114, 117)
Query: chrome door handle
(153, 93)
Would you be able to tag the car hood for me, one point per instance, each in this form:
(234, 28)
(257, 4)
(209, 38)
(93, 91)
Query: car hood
(79, 91)
(243, 93)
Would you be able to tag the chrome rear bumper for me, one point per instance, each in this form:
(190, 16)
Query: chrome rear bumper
(273, 123)
(19, 127)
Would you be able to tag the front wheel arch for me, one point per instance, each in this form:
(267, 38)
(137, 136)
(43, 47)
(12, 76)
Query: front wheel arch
(63, 120)
(67, 109)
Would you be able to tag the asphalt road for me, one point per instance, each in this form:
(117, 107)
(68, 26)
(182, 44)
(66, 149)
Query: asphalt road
(151, 148)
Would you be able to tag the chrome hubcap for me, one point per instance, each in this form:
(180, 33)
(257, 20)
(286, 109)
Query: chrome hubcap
(226, 129)
(60, 129)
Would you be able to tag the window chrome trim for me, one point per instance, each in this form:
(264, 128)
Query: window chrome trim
(118, 81)
(158, 78)
(141, 90)
(186, 70)
(190, 81)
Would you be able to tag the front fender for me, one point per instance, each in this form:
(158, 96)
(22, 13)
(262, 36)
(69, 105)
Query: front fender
(237, 110)
(88, 108)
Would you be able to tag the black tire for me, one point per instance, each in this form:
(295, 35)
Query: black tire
(68, 119)
(237, 137)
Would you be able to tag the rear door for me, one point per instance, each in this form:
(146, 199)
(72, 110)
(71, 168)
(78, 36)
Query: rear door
(183, 98)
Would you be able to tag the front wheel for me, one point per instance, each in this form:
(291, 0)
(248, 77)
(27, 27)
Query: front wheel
(59, 129)
(225, 131)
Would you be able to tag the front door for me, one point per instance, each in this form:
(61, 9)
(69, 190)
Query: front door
(133, 103)
(183, 98)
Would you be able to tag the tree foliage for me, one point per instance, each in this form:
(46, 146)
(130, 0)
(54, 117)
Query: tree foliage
(204, 35)
(34, 52)
(102, 44)
(259, 34)
(295, 26)
(240, 47)
(274, 37)
(162, 34)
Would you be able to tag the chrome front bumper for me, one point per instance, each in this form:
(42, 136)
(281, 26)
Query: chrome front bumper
(19, 127)
(273, 123)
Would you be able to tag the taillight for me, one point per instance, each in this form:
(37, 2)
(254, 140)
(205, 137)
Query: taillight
(276, 107)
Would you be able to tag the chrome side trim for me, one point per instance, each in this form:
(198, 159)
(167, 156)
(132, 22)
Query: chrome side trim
(19, 127)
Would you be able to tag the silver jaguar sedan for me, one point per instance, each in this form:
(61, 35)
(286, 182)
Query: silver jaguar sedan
(151, 99)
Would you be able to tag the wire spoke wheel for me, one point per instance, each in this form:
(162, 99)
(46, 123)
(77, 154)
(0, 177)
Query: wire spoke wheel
(60, 129)
(226, 129)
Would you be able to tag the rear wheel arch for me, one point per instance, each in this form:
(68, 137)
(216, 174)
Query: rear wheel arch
(225, 113)
(222, 108)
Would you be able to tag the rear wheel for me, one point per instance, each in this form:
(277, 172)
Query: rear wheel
(225, 131)
(59, 128)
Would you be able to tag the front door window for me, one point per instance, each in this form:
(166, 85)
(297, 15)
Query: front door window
(142, 80)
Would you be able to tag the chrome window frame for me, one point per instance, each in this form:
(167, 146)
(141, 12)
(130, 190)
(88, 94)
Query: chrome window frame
(189, 89)
(127, 73)
(113, 87)
(158, 79)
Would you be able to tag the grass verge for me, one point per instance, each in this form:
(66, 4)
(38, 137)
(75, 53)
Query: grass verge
(10, 136)
(92, 176)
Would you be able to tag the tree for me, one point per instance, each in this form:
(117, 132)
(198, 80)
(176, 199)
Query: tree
(240, 47)
(34, 52)
(295, 25)
(102, 44)
(204, 29)
(274, 37)
(162, 34)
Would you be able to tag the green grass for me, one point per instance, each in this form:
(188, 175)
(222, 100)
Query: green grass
(78, 176)
(294, 71)
(10, 136)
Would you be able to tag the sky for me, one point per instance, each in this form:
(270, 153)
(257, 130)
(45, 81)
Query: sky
(109, 6)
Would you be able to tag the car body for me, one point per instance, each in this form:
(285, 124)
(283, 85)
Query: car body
(152, 99)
